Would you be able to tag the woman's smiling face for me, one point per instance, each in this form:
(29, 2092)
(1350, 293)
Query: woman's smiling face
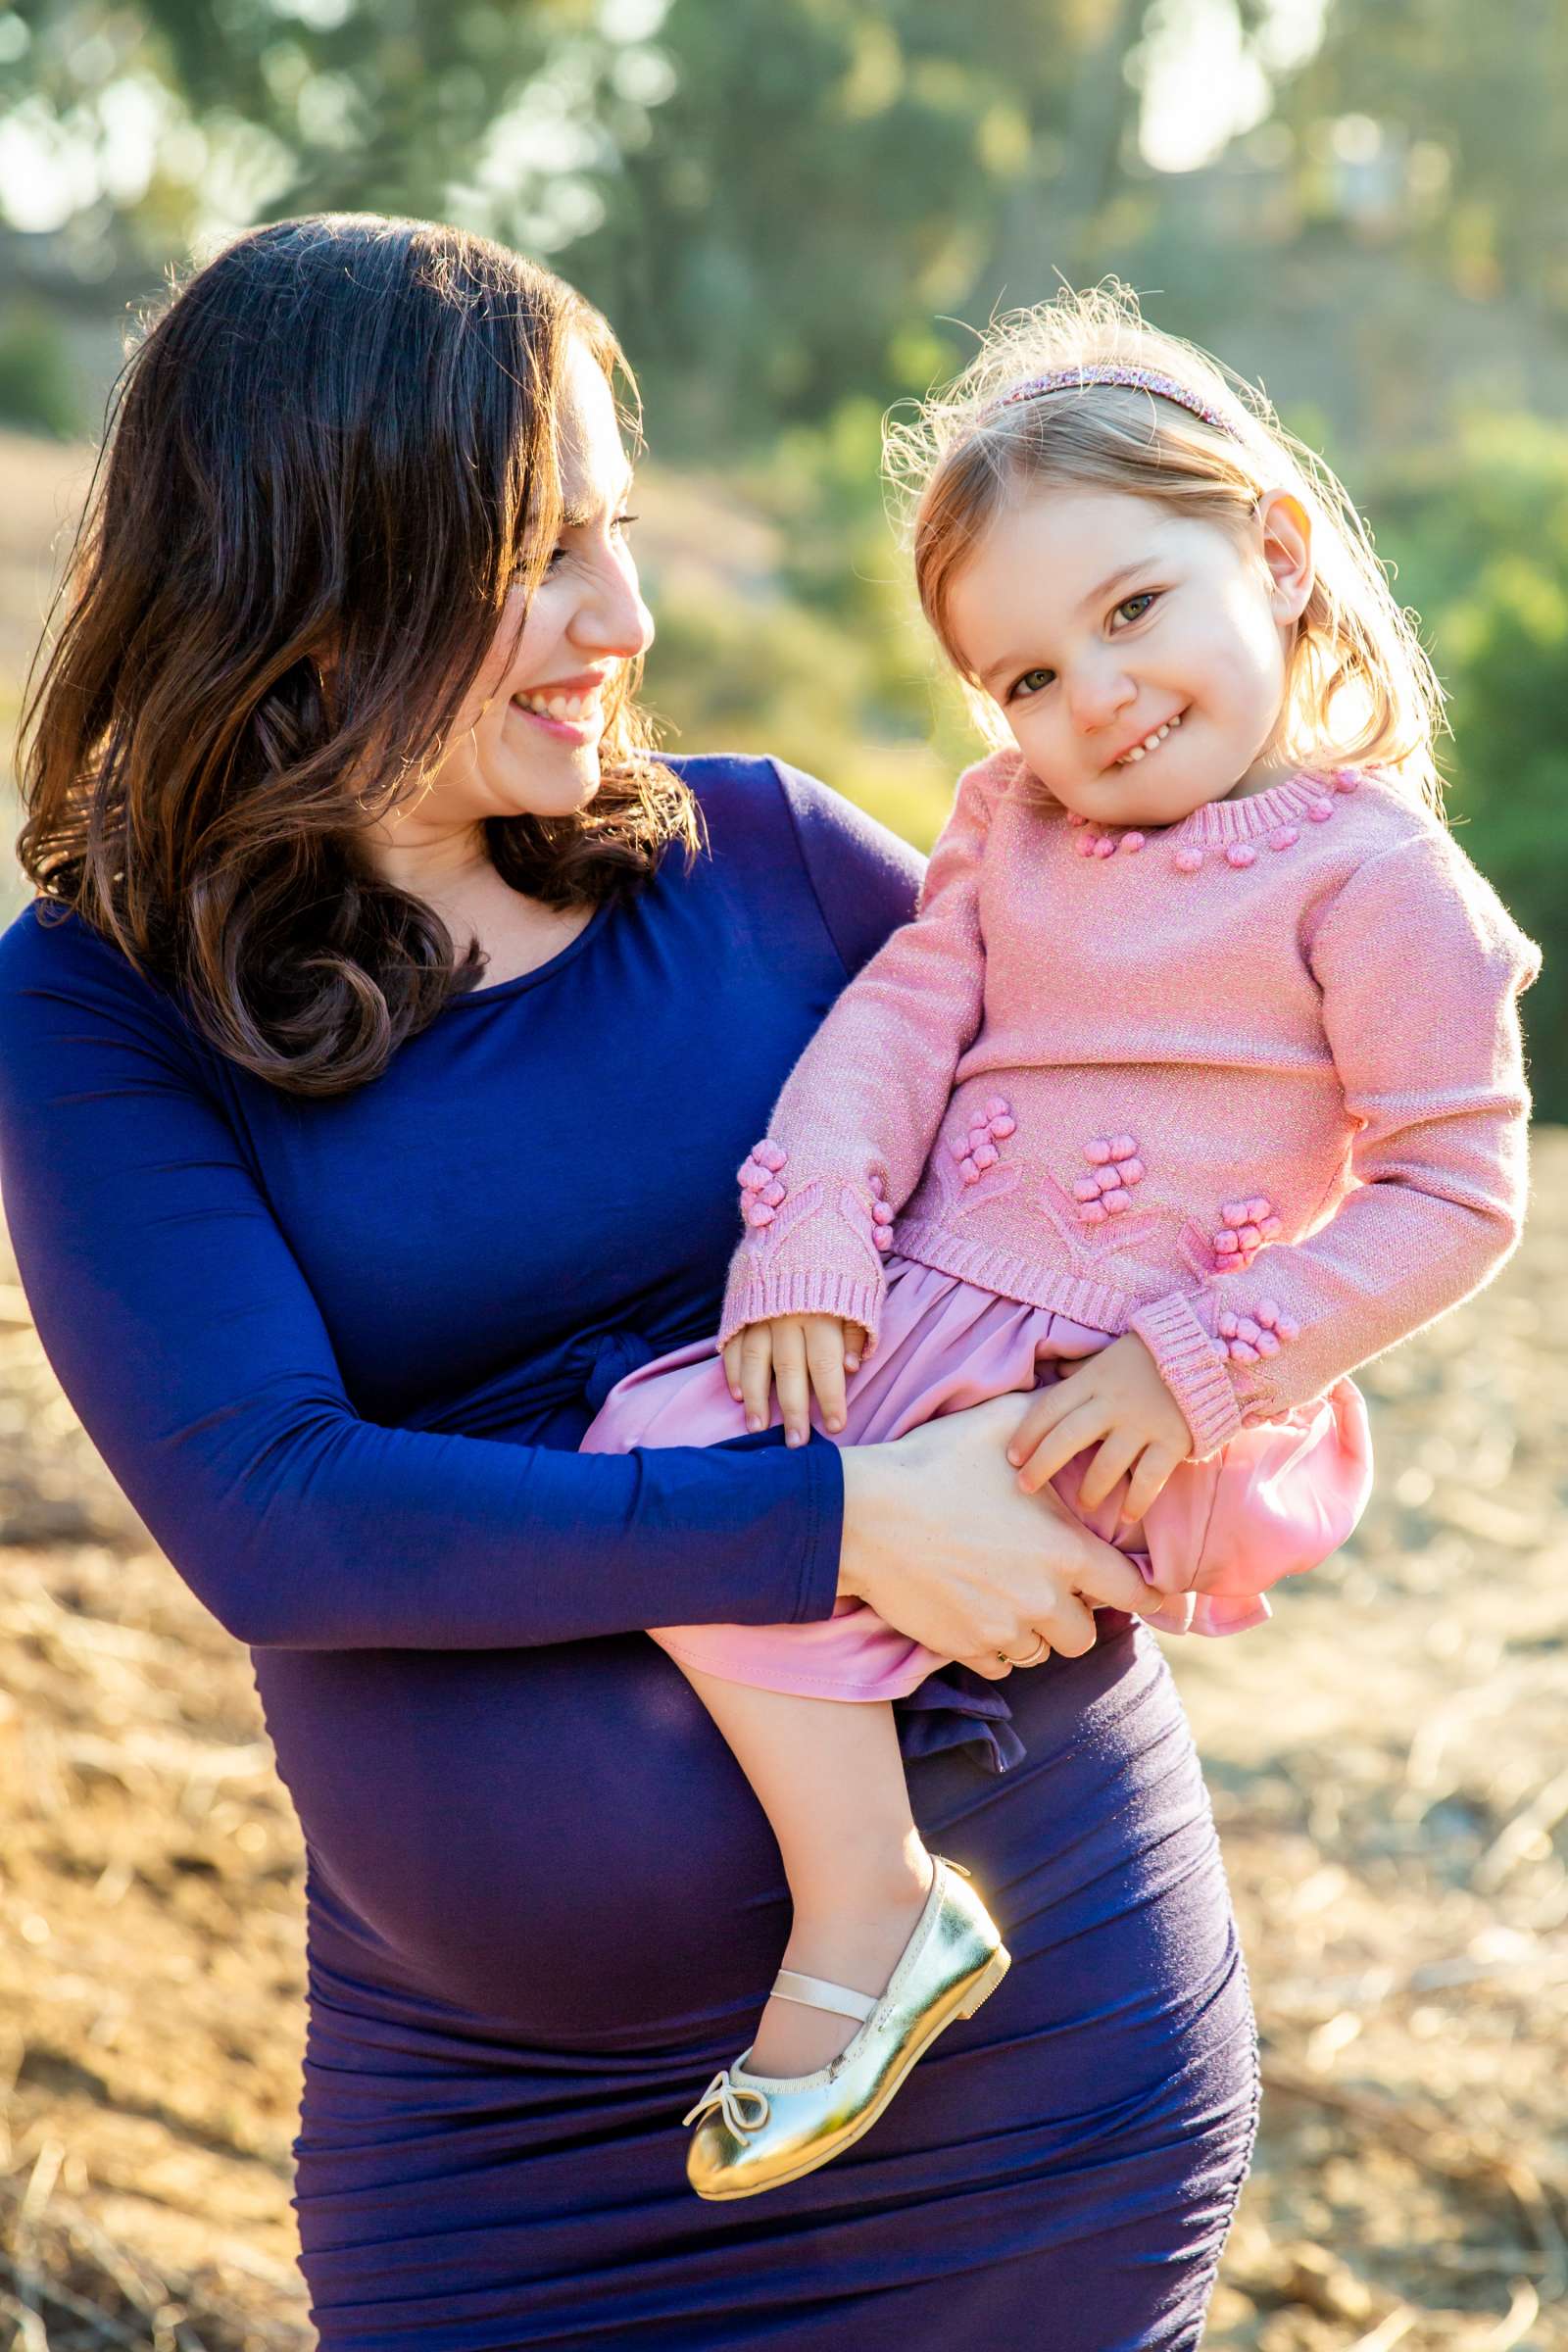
(1138, 655)
(526, 739)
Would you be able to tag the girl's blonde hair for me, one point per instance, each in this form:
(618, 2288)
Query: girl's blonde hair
(1359, 689)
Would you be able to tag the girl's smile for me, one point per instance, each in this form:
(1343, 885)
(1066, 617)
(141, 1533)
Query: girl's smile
(1149, 742)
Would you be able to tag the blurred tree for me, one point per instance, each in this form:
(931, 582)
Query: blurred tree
(160, 119)
(791, 187)
(38, 387)
(1459, 119)
(1480, 535)
(826, 176)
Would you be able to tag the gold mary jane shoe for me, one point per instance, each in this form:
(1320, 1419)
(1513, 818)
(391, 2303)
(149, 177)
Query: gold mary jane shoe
(758, 2132)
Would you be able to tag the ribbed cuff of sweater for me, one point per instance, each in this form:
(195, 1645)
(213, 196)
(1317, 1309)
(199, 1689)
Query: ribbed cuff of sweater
(757, 1296)
(1191, 1368)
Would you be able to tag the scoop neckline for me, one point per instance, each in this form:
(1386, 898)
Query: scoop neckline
(520, 982)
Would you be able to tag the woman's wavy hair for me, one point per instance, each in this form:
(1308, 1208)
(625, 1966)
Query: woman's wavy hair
(1359, 688)
(329, 460)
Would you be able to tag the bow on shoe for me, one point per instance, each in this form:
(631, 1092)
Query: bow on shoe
(726, 2096)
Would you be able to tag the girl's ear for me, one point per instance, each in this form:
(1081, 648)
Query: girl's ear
(1286, 531)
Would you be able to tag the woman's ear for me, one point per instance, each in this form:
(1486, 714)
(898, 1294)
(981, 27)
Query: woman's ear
(1286, 531)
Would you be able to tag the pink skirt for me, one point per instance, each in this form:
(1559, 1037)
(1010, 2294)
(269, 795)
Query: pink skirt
(1278, 1501)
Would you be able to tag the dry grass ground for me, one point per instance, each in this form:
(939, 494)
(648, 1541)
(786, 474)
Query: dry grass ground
(1387, 1765)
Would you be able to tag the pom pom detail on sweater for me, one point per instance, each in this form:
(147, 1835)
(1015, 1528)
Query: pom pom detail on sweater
(1250, 1339)
(761, 1194)
(1115, 1158)
(1248, 1225)
(977, 1151)
(881, 1215)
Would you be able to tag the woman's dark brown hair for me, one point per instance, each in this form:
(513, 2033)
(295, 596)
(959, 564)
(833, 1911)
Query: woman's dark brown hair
(328, 462)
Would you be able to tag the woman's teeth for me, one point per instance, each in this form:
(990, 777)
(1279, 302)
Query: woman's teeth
(1149, 742)
(570, 707)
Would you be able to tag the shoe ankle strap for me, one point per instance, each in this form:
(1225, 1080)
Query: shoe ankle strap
(815, 1992)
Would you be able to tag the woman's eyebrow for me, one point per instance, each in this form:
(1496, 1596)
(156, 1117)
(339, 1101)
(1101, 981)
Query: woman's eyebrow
(579, 511)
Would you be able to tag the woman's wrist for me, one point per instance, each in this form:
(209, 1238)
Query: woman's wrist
(865, 1472)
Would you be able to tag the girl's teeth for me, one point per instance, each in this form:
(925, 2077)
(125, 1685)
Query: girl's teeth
(1151, 743)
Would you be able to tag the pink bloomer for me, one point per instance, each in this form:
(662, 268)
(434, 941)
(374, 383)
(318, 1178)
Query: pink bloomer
(1276, 1501)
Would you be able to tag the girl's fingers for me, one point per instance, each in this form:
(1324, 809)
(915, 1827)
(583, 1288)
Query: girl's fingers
(1057, 1447)
(1108, 1468)
(756, 1373)
(857, 1339)
(731, 1360)
(789, 1374)
(824, 1361)
(1038, 1422)
(1149, 1479)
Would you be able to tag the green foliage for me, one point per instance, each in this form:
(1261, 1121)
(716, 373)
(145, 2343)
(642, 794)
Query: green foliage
(768, 674)
(1481, 540)
(37, 380)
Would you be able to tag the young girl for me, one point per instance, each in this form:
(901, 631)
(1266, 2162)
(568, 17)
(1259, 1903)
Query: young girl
(1195, 1082)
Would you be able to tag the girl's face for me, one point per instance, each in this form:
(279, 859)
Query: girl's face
(526, 739)
(1104, 626)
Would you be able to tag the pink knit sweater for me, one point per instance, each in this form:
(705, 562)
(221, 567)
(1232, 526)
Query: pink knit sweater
(1251, 1085)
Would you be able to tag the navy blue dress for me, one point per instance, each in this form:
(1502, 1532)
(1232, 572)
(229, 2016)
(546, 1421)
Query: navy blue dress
(339, 1355)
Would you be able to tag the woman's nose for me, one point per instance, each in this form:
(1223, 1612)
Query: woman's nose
(611, 617)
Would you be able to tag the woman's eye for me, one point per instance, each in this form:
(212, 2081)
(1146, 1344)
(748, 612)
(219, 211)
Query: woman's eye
(1032, 681)
(1145, 597)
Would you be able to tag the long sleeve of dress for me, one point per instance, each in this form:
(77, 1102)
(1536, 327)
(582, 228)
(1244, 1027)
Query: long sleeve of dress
(190, 1345)
(850, 1133)
(865, 880)
(1420, 968)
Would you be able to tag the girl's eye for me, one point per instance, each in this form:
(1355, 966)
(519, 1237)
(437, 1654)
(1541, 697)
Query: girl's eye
(1034, 681)
(623, 522)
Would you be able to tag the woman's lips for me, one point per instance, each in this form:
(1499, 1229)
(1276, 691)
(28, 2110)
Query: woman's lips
(568, 718)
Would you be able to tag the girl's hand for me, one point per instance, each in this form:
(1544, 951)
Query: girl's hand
(807, 1355)
(1116, 1397)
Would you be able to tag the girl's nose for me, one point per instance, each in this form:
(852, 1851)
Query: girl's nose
(1096, 695)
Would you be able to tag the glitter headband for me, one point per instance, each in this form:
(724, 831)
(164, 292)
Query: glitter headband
(1142, 379)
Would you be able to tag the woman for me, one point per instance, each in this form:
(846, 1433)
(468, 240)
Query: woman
(374, 1068)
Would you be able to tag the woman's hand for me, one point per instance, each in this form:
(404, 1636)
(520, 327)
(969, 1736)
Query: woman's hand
(941, 1543)
(1117, 1399)
(807, 1355)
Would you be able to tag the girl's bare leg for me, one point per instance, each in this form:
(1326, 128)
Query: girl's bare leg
(829, 1775)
